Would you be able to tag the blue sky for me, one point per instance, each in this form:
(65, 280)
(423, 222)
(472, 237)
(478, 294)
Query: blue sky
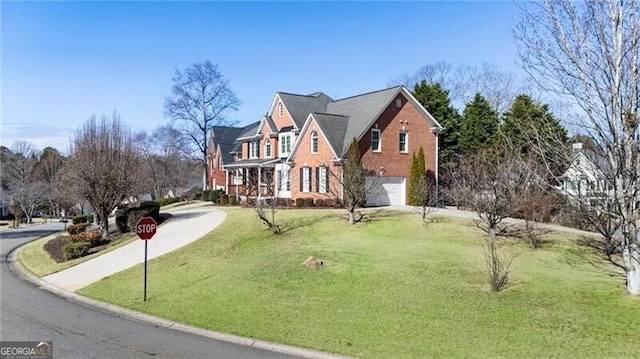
(62, 62)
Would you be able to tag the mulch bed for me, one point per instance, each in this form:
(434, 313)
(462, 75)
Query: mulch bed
(54, 248)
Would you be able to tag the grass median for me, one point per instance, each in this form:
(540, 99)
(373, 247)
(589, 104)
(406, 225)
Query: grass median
(389, 288)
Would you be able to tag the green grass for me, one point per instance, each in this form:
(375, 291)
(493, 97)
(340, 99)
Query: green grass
(390, 289)
(34, 257)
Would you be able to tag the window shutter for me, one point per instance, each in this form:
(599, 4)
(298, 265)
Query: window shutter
(318, 179)
(301, 174)
(326, 179)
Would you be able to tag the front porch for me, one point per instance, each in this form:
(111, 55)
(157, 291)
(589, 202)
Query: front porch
(257, 179)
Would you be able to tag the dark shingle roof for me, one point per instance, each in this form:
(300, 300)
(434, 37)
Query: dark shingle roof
(299, 106)
(334, 128)
(236, 145)
(225, 136)
(361, 110)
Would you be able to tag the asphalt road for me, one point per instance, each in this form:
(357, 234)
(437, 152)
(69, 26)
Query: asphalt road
(28, 313)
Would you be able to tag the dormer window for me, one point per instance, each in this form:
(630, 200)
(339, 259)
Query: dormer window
(280, 110)
(267, 148)
(314, 142)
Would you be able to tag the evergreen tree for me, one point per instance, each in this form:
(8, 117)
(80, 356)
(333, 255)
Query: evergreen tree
(479, 125)
(527, 125)
(417, 179)
(436, 100)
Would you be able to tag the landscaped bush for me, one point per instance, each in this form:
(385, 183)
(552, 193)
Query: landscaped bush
(233, 200)
(127, 217)
(90, 218)
(74, 250)
(79, 219)
(77, 228)
(308, 202)
(93, 238)
(214, 195)
(166, 201)
(320, 202)
(299, 202)
(224, 199)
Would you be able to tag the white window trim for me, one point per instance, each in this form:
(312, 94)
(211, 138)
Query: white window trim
(281, 137)
(254, 146)
(306, 179)
(375, 130)
(269, 145)
(398, 103)
(323, 173)
(314, 138)
(283, 179)
(406, 142)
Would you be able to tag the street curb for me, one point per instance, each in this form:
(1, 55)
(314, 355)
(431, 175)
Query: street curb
(16, 267)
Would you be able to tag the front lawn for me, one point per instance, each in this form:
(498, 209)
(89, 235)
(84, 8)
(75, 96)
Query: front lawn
(390, 289)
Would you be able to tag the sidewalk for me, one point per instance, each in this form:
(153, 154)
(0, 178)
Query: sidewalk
(184, 227)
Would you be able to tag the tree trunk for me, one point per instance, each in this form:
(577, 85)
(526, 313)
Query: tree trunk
(104, 222)
(352, 217)
(631, 257)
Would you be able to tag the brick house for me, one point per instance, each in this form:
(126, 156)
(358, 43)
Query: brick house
(296, 149)
(222, 148)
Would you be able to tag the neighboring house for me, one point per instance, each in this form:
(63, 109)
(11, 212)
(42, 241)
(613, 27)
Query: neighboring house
(296, 149)
(222, 147)
(585, 179)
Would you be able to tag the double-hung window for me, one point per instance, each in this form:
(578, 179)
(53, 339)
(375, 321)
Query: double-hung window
(305, 179)
(402, 140)
(322, 179)
(285, 144)
(314, 142)
(253, 149)
(376, 146)
(267, 149)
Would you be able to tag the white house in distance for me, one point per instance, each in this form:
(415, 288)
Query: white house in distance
(585, 178)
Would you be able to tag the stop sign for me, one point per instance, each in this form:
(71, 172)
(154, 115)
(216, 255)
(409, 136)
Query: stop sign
(146, 228)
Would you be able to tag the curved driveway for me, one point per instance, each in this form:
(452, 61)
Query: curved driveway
(77, 330)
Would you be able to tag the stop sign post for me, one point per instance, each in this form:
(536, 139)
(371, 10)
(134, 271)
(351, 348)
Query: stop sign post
(146, 229)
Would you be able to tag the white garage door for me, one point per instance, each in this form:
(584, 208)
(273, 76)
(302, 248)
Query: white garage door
(386, 191)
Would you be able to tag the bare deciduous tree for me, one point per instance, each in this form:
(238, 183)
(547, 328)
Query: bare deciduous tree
(464, 81)
(354, 182)
(166, 155)
(20, 173)
(267, 206)
(488, 183)
(589, 53)
(201, 98)
(104, 165)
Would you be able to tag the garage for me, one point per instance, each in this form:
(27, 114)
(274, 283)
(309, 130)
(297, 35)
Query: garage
(385, 191)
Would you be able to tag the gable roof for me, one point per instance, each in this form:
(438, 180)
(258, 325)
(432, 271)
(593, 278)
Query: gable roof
(224, 138)
(299, 106)
(362, 110)
(334, 128)
(236, 145)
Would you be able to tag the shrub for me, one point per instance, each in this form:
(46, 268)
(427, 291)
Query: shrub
(233, 200)
(77, 228)
(214, 195)
(300, 202)
(308, 202)
(126, 218)
(74, 250)
(166, 201)
(79, 219)
(90, 218)
(320, 202)
(205, 195)
(93, 238)
(224, 199)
